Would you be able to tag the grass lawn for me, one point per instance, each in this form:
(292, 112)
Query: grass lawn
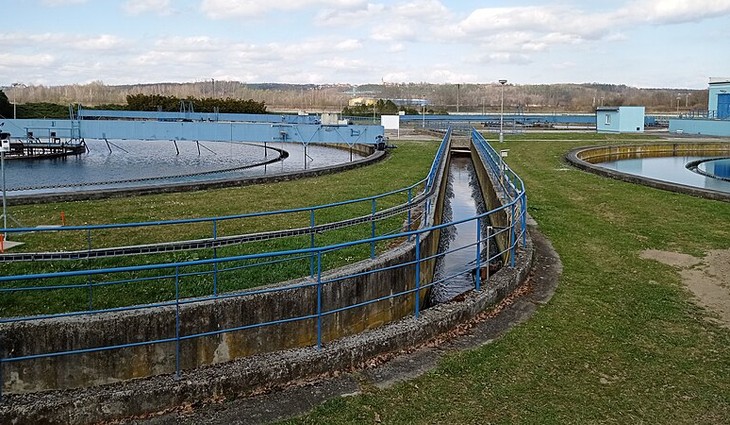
(403, 167)
(620, 342)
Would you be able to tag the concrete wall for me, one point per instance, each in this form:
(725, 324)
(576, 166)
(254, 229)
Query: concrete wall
(700, 126)
(110, 329)
(258, 372)
(492, 200)
(585, 158)
(595, 155)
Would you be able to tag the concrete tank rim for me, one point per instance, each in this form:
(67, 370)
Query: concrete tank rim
(283, 365)
(573, 157)
(375, 156)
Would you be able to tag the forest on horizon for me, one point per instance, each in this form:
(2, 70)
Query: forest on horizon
(451, 98)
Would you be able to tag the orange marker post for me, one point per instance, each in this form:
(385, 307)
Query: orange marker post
(63, 218)
(2, 243)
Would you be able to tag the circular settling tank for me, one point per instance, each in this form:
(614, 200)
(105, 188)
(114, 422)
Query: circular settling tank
(672, 169)
(118, 164)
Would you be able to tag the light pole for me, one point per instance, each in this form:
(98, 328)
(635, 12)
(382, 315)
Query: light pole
(15, 95)
(679, 97)
(423, 114)
(501, 114)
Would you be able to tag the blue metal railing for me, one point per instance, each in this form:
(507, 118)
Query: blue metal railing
(511, 188)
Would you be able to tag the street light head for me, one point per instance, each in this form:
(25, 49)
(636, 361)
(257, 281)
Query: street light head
(502, 82)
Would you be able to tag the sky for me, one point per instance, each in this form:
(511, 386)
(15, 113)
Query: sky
(640, 43)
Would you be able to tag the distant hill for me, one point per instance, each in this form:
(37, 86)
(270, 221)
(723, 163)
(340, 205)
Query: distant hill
(333, 97)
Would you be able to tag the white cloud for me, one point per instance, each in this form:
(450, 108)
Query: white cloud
(342, 64)
(62, 2)
(675, 11)
(396, 48)
(100, 42)
(226, 9)
(65, 42)
(508, 58)
(15, 61)
(353, 17)
(138, 7)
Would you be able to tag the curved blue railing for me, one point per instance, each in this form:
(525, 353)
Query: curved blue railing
(511, 190)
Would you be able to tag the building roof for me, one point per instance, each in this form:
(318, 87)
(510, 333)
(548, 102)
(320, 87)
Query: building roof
(719, 80)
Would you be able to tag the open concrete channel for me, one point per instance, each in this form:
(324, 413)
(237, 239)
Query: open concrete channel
(510, 298)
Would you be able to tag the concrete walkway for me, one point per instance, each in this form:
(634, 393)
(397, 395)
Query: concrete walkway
(384, 372)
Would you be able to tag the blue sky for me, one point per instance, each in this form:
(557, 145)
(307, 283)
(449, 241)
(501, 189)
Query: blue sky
(643, 43)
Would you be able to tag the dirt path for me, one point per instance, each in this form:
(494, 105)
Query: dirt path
(707, 278)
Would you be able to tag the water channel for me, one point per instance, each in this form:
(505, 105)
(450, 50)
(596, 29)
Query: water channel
(463, 200)
(134, 163)
(674, 169)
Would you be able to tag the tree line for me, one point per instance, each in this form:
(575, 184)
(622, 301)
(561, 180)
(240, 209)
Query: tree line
(468, 97)
(135, 102)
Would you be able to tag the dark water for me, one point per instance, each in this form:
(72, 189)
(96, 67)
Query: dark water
(463, 200)
(670, 169)
(148, 163)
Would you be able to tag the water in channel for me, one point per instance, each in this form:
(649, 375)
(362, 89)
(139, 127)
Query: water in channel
(463, 200)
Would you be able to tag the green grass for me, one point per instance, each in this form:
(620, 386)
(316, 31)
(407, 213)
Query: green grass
(405, 166)
(620, 342)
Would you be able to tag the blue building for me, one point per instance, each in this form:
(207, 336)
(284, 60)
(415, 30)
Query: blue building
(620, 119)
(718, 104)
(714, 122)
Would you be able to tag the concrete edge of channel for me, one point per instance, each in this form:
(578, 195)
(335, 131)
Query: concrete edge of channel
(260, 373)
(573, 157)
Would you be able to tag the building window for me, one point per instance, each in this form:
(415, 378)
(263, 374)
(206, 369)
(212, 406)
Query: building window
(608, 119)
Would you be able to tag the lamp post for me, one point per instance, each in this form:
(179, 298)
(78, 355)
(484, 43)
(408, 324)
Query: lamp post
(501, 114)
(15, 95)
(679, 97)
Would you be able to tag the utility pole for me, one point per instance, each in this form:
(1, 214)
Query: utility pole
(501, 113)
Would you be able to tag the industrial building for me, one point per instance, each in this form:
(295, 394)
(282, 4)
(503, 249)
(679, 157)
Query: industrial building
(716, 120)
(620, 119)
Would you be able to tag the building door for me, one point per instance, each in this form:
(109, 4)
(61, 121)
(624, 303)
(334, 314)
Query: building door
(723, 106)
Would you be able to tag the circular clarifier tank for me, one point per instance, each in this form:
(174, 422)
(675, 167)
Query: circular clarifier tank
(715, 168)
(116, 164)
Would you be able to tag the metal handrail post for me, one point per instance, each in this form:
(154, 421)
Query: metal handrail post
(489, 247)
(524, 217)
(311, 241)
(372, 229)
(177, 322)
(319, 300)
(512, 241)
(478, 274)
(215, 256)
(418, 275)
(410, 197)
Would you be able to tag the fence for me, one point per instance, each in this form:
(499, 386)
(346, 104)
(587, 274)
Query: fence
(178, 281)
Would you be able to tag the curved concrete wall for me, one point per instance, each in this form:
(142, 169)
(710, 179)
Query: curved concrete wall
(373, 156)
(129, 327)
(584, 158)
(258, 371)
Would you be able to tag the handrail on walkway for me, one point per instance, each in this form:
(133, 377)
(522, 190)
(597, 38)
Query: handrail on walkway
(177, 273)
